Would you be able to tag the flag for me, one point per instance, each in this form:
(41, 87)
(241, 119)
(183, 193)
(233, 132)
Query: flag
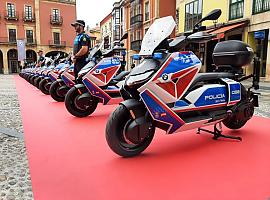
(21, 50)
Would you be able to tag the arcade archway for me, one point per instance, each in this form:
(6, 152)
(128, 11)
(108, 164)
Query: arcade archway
(54, 53)
(1, 63)
(31, 56)
(13, 64)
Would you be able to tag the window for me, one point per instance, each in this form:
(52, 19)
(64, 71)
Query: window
(29, 36)
(11, 10)
(236, 9)
(193, 14)
(260, 6)
(146, 11)
(117, 16)
(177, 19)
(28, 12)
(55, 15)
(56, 38)
(12, 35)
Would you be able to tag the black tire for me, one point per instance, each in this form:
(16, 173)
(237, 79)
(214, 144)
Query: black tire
(37, 81)
(32, 80)
(232, 122)
(42, 87)
(53, 92)
(115, 134)
(75, 110)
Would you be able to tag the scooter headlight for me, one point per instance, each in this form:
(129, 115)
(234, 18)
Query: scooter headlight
(137, 79)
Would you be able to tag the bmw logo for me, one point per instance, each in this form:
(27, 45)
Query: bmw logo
(97, 71)
(165, 77)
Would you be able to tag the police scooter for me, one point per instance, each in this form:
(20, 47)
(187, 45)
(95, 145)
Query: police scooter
(167, 91)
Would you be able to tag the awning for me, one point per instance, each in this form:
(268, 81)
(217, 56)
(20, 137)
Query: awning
(221, 31)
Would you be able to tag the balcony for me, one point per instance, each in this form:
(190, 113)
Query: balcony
(136, 20)
(9, 41)
(136, 45)
(57, 44)
(31, 42)
(28, 18)
(56, 20)
(11, 15)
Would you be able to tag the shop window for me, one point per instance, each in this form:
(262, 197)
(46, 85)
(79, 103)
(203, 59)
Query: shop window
(260, 6)
(193, 14)
(236, 9)
(11, 10)
(177, 19)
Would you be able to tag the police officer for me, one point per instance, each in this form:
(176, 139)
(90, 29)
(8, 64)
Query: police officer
(81, 46)
(41, 59)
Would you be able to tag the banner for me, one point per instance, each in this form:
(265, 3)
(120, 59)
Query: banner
(21, 50)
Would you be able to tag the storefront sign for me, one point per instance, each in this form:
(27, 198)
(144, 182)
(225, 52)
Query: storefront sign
(260, 35)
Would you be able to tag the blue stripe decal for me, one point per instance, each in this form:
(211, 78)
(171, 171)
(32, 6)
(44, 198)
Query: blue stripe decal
(96, 91)
(160, 112)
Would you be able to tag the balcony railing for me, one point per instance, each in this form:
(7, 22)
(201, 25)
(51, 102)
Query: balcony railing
(9, 41)
(136, 45)
(56, 20)
(27, 18)
(57, 44)
(11, 15)
(136, 20)
(31, 42)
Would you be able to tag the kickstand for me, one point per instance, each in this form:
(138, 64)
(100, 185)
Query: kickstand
(218, 133)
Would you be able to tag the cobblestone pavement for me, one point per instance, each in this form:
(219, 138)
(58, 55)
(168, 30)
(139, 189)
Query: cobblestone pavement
(264, 99)
(15, 182)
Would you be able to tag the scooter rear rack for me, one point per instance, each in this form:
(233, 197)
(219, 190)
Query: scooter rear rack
(218, 133)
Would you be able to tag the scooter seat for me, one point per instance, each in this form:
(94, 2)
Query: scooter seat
(201, 77)
(120, 76)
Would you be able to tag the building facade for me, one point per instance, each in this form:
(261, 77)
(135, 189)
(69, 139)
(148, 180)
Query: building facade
(42, 24)
(240, 20)
(139, 15)
(106, 31)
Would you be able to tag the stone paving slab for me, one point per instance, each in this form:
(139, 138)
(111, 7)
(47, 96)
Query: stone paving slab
(15, 181)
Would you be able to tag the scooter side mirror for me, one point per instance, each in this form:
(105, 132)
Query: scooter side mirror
(213, 15)
(124, 37)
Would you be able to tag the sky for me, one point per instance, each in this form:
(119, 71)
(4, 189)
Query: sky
(93, 11)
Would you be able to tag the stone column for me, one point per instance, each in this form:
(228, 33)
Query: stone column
(5, 61)
(268, 62)
(37, 13)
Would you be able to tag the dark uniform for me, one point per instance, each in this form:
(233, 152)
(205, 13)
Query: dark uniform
(81, 40)
(41, 59)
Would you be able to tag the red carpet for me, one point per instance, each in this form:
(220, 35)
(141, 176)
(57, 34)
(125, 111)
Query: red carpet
(69, 159)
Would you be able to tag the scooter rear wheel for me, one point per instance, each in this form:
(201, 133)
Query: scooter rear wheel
(70, 104)
(120, 141)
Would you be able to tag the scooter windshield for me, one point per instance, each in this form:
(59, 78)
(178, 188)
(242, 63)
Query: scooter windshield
(158, 31)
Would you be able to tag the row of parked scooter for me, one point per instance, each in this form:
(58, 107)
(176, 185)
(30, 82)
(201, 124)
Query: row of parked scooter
(164, 91)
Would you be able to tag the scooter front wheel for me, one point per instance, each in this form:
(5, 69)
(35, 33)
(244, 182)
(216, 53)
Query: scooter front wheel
(42, 87)
(128, 137)
(53, 91)
(79, 111)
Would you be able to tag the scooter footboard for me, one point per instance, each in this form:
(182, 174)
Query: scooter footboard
(164, 117)
(97, 91)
